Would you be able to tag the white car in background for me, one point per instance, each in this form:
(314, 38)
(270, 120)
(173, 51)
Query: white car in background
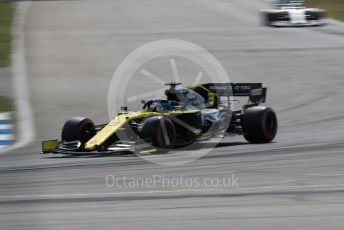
(293, 13)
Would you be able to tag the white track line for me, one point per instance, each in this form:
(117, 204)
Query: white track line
(25, 122)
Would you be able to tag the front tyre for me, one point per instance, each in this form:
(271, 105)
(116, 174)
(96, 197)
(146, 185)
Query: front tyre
(160, 130)
(259, 124)
(78, 129)
(266, 19)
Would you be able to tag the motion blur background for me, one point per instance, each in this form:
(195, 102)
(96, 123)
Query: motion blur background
(67, 52)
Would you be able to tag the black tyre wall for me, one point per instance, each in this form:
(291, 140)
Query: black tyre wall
(259, 124)
(266, 21)
(78, 129)
(153, 129)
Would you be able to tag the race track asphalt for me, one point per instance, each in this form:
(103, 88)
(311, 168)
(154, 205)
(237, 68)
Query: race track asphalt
(72, 51)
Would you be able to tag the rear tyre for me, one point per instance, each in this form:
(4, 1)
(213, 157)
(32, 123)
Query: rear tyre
(259, 124)
(78, 129)
(160, 130)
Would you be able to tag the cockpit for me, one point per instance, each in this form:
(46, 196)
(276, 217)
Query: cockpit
(188, 98)
(177, 98)
(158, 105)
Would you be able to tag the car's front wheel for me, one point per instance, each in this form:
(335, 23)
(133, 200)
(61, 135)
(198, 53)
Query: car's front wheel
(266, 19)
(78, 129)
(160, 130)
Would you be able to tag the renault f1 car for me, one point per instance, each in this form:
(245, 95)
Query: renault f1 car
(288, 13)
(187, 115)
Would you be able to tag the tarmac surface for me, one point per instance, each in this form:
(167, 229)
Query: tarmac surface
(72, 51)
(5, 82)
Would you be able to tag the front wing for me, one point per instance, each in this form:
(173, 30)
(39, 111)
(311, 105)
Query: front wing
(298, 24)
(75, 148)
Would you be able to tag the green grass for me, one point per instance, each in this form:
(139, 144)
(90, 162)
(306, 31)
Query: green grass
(335, 8)
(6, 14)
(6, 104)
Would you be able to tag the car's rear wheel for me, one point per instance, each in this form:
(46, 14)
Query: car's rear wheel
(78, 129)
(259, 124)
(160, 130)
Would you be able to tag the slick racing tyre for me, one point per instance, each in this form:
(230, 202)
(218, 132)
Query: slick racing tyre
(160, 130)
(259, 124)
(266, 19)
(78, 129)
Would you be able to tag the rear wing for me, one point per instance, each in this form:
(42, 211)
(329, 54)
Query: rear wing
(212, 92)
(255, 91)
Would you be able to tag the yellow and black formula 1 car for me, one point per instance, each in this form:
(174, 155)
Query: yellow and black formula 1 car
(188, 115)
